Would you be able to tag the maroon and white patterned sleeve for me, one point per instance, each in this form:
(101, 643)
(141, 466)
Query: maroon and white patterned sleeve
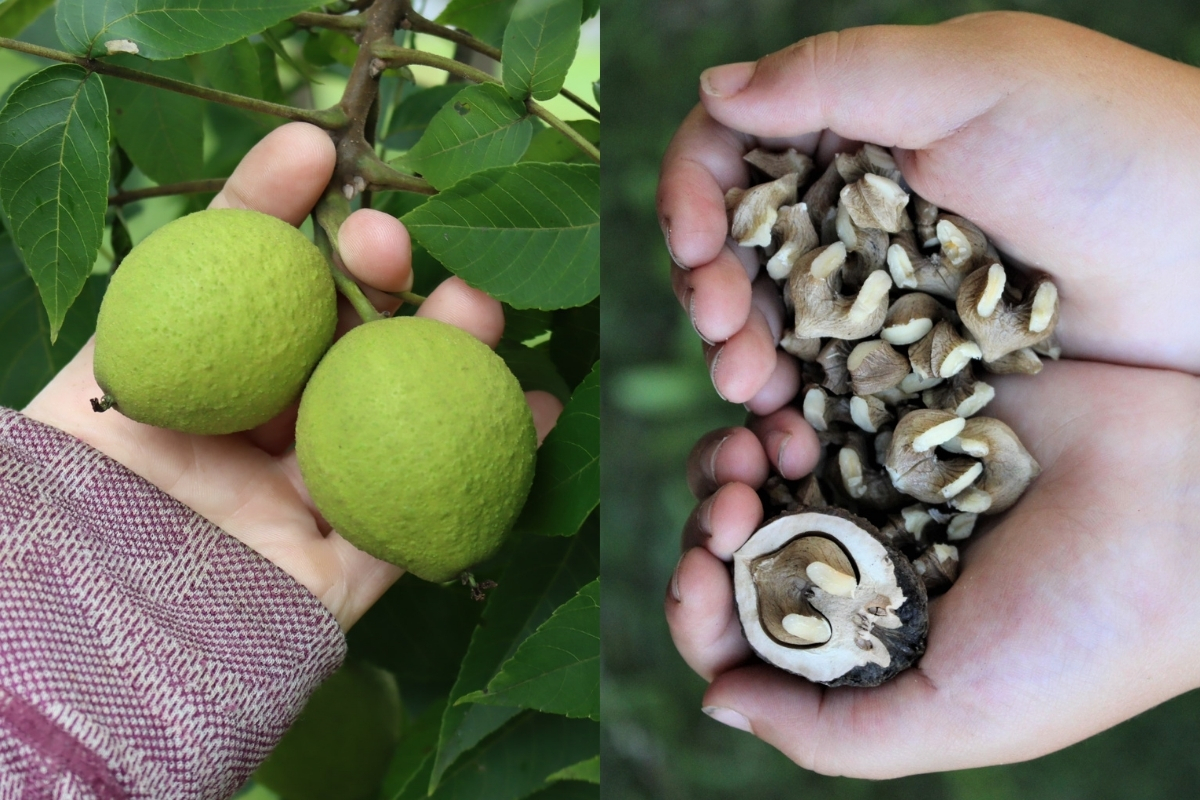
(144, 652)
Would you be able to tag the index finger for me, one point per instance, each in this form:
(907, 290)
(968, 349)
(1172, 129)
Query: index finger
(703, 161)
(283, 175)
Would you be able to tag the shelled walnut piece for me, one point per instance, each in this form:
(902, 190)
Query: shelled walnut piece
(820, 595)
(898, 307)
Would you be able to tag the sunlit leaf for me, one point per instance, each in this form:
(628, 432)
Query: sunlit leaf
(16, 15)
(164, 29)
(528, 234)
(486, 19)
(539, 46)
(54, 170)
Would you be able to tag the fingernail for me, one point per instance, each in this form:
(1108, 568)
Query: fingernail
(712, 460)
(712, 372)
(727, 716)
(779, 456)
(727, 79)
(675, 577)
(691, 306)
(665, 224)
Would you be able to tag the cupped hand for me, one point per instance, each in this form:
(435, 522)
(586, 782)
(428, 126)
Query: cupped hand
(248, 483)
(1072, 611)
(1071, 150)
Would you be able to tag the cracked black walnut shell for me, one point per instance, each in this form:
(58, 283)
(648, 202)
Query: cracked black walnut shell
(820, 595)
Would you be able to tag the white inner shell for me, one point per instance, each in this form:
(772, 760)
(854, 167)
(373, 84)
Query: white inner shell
(847, 615)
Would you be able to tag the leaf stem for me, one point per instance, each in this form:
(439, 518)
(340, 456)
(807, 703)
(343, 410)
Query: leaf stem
(331, 211)
(329, 118)
(186, 187)
(338, 22)
(380, 176)
(394, 56)
(418, 23)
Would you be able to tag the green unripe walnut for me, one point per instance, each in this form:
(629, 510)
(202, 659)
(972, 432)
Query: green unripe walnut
(214, 322)
(417, 445)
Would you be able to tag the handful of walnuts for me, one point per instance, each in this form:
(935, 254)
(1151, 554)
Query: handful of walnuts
(899, 311)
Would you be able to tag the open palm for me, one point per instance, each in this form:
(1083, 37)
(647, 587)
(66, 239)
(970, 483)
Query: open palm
(1038, 131)
(1070, 614)
(249, 483)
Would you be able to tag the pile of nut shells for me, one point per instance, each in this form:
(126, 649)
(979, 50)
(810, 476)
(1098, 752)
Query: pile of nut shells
(898, 313)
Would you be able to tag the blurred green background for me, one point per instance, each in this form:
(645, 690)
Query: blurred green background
(658, 401)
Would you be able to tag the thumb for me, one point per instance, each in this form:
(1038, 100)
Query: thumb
(901, 86)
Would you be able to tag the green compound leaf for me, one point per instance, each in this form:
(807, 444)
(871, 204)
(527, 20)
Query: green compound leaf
(590, 9)
(557, 669)
(28, 360)
(586, 771)
(528, 234)
(16, 15)
(54, 169)
(486, 19)
(566, 486)
(415, 111)
(515, 761)
(542, 575)
(164, 29)
(480, 127)
(539, 46)
(162, 132)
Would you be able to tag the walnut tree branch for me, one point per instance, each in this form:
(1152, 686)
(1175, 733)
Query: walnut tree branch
(362, 89)
(328, 216)
(167, 189)
(390, 55)
(338, 22)
(328, 118)
(415, 22)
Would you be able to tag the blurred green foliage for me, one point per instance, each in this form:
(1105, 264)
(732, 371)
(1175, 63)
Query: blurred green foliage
(658, 400)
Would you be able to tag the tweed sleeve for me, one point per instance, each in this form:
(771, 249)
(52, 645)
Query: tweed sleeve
(144, 652)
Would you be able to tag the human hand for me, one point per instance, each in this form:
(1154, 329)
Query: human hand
(1071, 612)
(1041, 132)
(248, 483)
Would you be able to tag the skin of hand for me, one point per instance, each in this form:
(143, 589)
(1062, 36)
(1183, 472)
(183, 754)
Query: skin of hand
(1071, 613)
(1066, 618)
(248, 483)
(1041, 132)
